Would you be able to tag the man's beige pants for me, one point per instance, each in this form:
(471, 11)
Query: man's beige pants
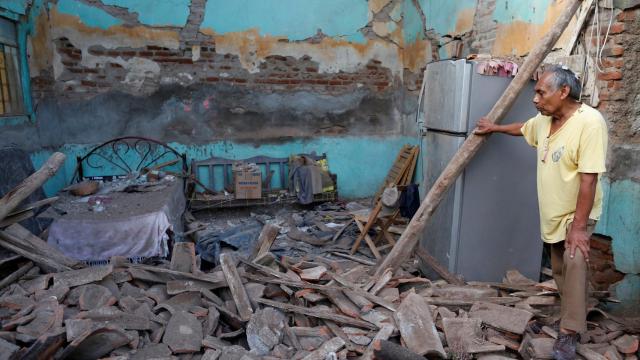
(572, 278)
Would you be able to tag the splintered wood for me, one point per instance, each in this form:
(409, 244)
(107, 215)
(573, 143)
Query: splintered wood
(276, 301)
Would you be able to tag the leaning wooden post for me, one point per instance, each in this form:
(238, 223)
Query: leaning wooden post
(14, 197)
(409, 239)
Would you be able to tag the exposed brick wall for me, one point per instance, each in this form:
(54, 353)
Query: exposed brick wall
(277, 73)
(603, 271)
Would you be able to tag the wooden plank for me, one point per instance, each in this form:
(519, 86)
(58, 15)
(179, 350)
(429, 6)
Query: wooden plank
(321, 314)
(437, 267)
(417, 328)
(409, 239)
(367, 239)
(37, 245)
(238, 292)
(16, 195)
(8, 280)
(267, 235)
(8, 242)
(34, 205)
(354, 258)
(16, 218)
(381, 282)
(577, 30)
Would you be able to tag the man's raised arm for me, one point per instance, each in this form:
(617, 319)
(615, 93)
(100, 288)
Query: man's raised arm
(484, 127)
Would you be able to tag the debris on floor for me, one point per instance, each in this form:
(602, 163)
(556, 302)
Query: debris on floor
(278, 287)
(288, 285)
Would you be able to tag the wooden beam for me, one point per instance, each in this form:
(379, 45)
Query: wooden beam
(409, 239)
(437, 267)
(240, 297)
(267, 235)
(14, 197)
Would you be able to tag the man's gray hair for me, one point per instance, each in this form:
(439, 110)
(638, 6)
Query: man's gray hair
(562, 76)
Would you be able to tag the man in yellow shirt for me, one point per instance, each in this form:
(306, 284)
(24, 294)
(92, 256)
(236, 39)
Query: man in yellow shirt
(571, 142)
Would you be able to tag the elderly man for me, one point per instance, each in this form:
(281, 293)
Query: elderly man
(571, 142)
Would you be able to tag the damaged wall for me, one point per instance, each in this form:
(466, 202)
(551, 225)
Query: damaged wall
(282, 77)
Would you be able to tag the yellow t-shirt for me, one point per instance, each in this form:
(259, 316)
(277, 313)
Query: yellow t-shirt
(579, 146)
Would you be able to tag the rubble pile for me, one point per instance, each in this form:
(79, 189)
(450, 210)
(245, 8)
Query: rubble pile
(295, 293)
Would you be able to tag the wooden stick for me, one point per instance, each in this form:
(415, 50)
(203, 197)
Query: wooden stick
(34, 205)
(267, 235)
(12, 219)
(14, 197)
(409, 239)
(15, 275)
(7, 241)
(340, 319)
(238, 291)
(437, 267)
(36, 245)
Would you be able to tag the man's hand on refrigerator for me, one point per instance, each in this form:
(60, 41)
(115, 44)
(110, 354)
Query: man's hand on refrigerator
(484, 127)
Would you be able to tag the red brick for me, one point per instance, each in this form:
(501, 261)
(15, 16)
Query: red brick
(614, 85)
(610, 75)
(213, 79)
(613, 51)
(616, 28)
(613, 62)
(145, 53)
(88, 83)
(311, 69)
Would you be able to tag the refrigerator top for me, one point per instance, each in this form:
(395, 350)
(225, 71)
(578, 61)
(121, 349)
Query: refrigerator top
(446, 100)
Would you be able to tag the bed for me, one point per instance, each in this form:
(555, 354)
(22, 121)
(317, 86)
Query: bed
(130, 215)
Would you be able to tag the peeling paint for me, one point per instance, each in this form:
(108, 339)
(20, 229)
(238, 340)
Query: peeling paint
(444, 16)
(87, 14)
(508, 11)
(332, 55)
(156, 13)
(518, 37)
(82, 36)
(291, 19)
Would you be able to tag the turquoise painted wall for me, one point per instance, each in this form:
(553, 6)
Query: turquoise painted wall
(156, 13)
(295, 19)
(361, 163)
(90, 15)
(532, 11)
(412, 22)
(442, 16)
(622, 223)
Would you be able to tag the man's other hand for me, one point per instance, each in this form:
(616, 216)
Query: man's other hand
(578, 238)
(484, 126)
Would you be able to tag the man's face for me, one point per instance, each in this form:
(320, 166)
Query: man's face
(548, 100)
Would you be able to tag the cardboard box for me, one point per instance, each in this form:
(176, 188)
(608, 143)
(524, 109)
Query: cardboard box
(248, 185)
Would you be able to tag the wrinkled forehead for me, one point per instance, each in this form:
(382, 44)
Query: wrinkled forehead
(544, 82)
